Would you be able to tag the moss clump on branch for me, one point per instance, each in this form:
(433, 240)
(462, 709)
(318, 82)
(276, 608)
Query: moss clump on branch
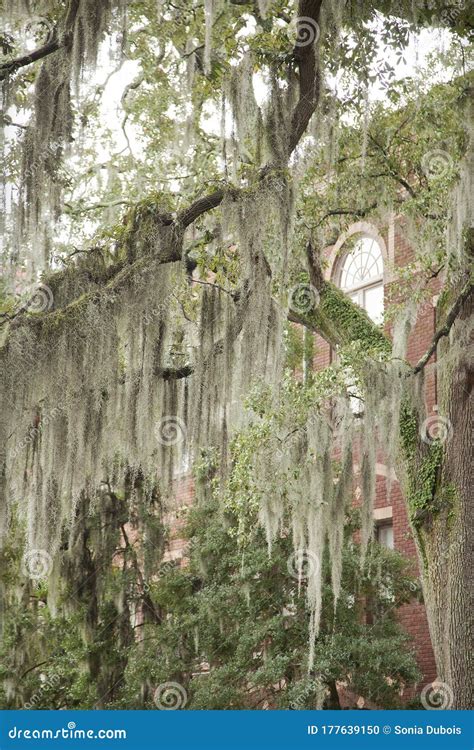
(426, 497)
(148, 229)
(345, 322)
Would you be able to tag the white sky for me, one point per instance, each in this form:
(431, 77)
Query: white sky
(415, 55)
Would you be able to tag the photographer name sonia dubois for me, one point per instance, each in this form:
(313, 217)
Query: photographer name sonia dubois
(427, 730)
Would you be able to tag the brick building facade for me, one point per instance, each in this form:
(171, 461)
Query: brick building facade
(388, 250)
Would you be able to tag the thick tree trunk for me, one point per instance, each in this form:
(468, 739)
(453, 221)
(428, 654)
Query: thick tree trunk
(448, 541)
(440, 507)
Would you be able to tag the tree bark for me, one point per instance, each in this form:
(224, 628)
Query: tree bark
(443, 529)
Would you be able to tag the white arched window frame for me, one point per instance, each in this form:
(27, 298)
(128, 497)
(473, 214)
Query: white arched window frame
(361, 276)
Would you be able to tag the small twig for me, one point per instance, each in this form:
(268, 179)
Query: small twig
(131, 87)
(191, 52)
(96, 206)
(361, 212)
(216, 286)
(35, 666)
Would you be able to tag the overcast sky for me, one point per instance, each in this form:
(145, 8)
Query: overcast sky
(416, 54)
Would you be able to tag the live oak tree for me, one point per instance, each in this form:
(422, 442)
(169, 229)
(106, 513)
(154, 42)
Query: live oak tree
(165, 335)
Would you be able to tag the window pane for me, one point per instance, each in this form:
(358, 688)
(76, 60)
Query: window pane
(362, 264)
(373, 303)
(385, 535)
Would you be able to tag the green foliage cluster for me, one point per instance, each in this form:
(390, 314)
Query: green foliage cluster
(426, 494)
(234, 630)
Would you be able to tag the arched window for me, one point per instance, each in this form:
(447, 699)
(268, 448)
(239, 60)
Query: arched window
(361, 276)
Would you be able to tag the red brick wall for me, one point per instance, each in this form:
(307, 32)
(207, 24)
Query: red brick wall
(413, 616)
(175, 520)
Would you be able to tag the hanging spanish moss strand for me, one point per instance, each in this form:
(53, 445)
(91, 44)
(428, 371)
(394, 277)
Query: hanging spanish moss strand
(342, 498)
(263, 6)
(47, 138)
(245, 111)
(209, 10)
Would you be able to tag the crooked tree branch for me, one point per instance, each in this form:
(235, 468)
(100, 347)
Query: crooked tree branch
(309, 76)
(445, 329)
(135, 84)
(398, 178)
(199, 207)
(309, 85)
(360, 212)
(7, 68)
